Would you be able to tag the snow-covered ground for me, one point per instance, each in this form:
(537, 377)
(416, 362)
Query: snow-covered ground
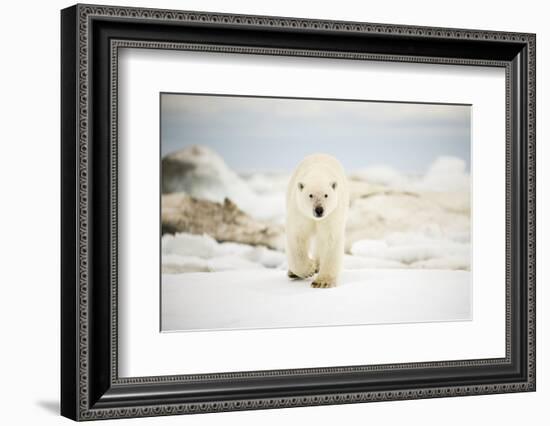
(266, 298)
(184, 253)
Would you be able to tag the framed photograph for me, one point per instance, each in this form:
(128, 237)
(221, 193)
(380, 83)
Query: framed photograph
(263, 212)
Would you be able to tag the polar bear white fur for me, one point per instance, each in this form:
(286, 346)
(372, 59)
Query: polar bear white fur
(317, 201)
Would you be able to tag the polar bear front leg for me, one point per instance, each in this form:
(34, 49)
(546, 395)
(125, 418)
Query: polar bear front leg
(331, 255)
(300, 265)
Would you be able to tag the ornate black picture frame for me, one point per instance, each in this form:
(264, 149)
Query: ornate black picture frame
(90, 38)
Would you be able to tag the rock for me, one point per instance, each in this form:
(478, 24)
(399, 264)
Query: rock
(222, 221)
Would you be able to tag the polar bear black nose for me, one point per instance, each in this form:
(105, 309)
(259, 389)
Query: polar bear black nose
(318, 211)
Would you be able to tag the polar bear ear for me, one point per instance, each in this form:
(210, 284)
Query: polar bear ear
(333, 185)
(300, 186)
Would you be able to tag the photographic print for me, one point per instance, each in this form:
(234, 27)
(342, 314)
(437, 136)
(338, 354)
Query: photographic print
(347, 208)
(292, 212)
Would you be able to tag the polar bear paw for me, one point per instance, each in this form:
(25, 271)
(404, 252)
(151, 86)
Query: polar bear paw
(323, 282)
(292, 275)
(307, 271)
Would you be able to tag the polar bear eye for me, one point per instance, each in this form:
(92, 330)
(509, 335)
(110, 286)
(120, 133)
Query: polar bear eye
(310, 195)
(326, 195)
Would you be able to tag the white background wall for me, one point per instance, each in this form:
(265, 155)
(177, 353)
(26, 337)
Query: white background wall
(29, 225)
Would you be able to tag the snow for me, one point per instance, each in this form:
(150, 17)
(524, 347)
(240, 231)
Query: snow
(266, 298)
(430, 248)
(175, 264)
(267, 182)
(204, 174)
(444, 174)
(231, 262)
(381, 175)
(362, 262)
(185, 244)
(417, 250)
(445, 262)
(267, 258)
(185, 252)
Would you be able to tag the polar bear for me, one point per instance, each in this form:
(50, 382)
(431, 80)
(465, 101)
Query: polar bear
(317, 201)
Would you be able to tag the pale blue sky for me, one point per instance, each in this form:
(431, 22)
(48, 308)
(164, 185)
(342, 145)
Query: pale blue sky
(276, 133)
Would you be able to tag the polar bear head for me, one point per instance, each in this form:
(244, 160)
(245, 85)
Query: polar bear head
(317, 196)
